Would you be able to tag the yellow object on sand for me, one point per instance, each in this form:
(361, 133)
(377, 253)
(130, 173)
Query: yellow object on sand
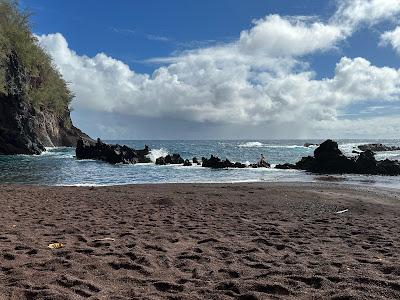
(56, 246)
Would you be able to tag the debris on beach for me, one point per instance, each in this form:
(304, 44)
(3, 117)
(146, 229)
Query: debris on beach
(56, 245)
(104, 240)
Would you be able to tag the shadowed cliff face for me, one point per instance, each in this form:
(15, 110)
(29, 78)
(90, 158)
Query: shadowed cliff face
(25, 129)
(34, 98)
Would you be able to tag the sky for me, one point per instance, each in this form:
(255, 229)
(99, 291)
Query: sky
(227, 69)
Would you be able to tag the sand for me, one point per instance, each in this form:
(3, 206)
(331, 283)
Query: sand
(194, 241)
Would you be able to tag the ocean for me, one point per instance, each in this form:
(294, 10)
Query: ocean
(58, 166)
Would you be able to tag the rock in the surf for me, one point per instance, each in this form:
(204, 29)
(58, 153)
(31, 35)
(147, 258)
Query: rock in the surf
(378, 147)
(328, 159)
(174, 159)
(160, 161)
(285, 166)
(239, 165)
(113, 154)
(389, 167)
(187, 163)
(366, 163)
(215, 162)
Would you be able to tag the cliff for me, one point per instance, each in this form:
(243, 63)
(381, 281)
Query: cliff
(34, 98)
(25, 129)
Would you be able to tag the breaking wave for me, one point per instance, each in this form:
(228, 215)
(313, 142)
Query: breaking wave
(252, 145)
(156, 153)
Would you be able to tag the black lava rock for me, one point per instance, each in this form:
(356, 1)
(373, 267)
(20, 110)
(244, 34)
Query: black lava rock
(113, 154)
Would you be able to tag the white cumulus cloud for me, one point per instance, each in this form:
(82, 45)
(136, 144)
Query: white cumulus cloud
(219, 85)
(261, 78)
(278, 36)
(392, 38)
(353, 13)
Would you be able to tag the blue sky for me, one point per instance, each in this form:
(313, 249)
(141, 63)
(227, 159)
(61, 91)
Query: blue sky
(148, 36)
(134, 31)
(124, 29)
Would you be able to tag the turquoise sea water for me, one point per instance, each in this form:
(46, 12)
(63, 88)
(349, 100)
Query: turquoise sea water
(58, 166)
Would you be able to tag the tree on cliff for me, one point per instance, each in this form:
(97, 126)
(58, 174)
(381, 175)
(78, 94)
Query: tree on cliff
(26, 71)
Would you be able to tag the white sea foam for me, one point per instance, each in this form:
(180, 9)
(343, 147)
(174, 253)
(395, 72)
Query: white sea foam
(156, 153)
(393, 155)
(291, 146)
(259, 145)
(57, 148)
(83, 184)
(61, 152)
(252, 145)
(349, 147)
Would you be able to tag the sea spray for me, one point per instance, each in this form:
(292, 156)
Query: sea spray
(156, 153)
(252, 145)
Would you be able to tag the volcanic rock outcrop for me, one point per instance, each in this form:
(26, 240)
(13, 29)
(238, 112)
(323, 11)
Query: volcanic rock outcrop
(378, 147)
(25, 129)
(328, 159)
(215, 162)
(174, 159)
(113, 154)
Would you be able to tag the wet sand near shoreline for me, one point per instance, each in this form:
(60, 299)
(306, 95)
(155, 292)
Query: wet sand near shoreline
(200, 241)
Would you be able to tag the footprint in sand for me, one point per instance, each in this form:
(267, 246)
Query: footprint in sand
(168, 287)
(78, 286)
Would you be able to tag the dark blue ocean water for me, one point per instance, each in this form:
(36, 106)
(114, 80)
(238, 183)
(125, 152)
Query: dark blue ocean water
(58, 166)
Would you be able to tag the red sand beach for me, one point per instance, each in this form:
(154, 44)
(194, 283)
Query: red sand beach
(195, 241)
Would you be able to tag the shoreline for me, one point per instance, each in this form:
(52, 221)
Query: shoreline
(327, 179)
(200, 241)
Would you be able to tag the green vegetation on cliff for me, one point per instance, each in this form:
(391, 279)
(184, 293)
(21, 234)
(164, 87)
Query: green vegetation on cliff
(26, 71)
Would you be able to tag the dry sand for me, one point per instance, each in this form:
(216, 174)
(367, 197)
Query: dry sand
(225, 241)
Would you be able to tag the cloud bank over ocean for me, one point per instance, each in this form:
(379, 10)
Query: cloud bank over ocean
(261, 79)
